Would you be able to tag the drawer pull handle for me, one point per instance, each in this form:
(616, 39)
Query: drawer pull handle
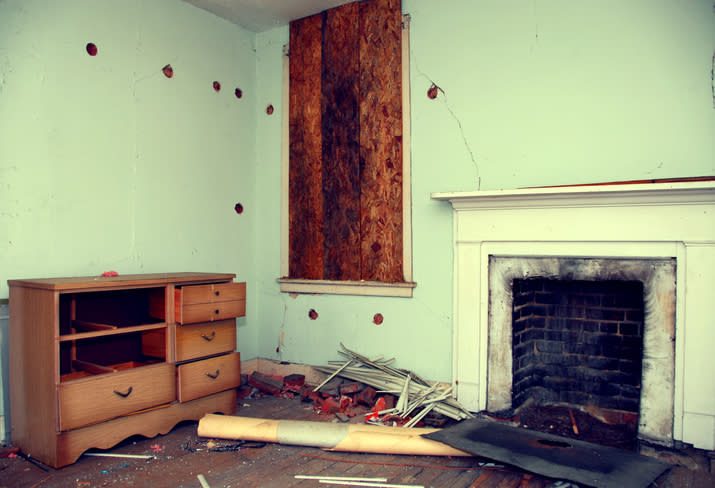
(214, 375)
(124, 395)
(209, 338)
(217, 293)
(216, 311)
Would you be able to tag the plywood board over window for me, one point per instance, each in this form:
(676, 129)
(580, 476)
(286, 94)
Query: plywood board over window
(347, 179)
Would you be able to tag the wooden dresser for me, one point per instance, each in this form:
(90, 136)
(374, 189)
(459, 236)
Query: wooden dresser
(95, 360)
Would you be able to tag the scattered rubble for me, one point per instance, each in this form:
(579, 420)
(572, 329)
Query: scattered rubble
(369, 387)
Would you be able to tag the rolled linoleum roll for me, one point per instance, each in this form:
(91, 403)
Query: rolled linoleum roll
(332, 436)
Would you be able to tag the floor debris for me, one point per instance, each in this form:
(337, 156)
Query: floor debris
(202, 480)
(358, 437)
(275, 464)
(343, 478)
(118, 455)
(366, 483)
(553, 456)
(416, 397)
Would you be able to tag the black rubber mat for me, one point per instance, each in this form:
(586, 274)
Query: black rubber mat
(552, 456)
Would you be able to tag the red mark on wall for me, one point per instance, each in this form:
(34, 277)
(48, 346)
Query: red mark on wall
(168, 71)
(91, 49)
(217, 86)
(238, 208)
(269, 110)
(312, 314)
(432, 92)
(238, 92)
(377, 319)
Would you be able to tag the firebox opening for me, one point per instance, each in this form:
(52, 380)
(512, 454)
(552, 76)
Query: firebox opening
(579, 345)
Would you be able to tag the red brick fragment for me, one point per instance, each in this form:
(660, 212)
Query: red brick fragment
(308, 395)
(345, 402)
(265, 383)
(244, 391)
(330, 405)
(293, 382)
(331, 388)
(9, 452)
(349, 388)
(389, 402)
(379, 404)
(367, 396)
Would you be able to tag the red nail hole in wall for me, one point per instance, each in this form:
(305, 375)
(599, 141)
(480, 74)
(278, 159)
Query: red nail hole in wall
(168, 71)
(91, 49)
(269, 109)
(432, 92)
(217, 86)
(377, 319)
(312, 314)
(238, 208)
(239, 93)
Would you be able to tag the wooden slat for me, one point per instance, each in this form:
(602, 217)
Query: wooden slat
(306, 207)
(104, 333)
(381, 140)
(90, 326)
(345, 177)
(341, 141)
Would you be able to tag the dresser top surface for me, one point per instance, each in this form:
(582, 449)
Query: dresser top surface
(121, 281)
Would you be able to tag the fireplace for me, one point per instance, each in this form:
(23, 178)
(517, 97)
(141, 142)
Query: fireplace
(655, 386)
(577, 343)
(659, 237)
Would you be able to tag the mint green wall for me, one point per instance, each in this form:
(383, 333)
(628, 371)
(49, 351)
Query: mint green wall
(535, 93)
(105, 164)
(552, 92)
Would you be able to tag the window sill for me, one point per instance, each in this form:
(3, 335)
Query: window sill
(360, 288)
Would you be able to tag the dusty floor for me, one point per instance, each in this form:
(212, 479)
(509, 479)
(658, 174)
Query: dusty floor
(177, 462)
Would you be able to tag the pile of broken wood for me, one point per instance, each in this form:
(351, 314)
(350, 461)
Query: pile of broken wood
(371, 387)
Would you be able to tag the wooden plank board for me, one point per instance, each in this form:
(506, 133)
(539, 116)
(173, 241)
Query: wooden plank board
(341, 141)
(345, 150)
(381, 140)
(305, 196)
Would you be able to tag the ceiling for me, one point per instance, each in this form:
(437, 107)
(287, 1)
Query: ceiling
(262, 15)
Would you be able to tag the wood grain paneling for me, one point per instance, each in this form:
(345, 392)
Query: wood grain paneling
(341, 143)
(346, 144)
(381, 141)
(306, 182)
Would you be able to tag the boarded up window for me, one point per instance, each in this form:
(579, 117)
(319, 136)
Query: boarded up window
(345, 177)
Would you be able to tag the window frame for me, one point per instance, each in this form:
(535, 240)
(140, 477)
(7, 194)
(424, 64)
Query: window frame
(364, 288)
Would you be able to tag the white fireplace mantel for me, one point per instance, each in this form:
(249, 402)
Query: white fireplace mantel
(622, 221)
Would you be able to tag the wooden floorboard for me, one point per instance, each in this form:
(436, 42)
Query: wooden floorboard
(177, 463)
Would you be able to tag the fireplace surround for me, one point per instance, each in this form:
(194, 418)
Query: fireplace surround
(662, 234)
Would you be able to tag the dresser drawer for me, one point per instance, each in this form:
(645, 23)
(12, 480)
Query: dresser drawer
(91, 400)
(208, 376)
(205, 339)
(205, 303)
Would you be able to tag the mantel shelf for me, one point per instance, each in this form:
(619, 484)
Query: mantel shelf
(675, 193)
